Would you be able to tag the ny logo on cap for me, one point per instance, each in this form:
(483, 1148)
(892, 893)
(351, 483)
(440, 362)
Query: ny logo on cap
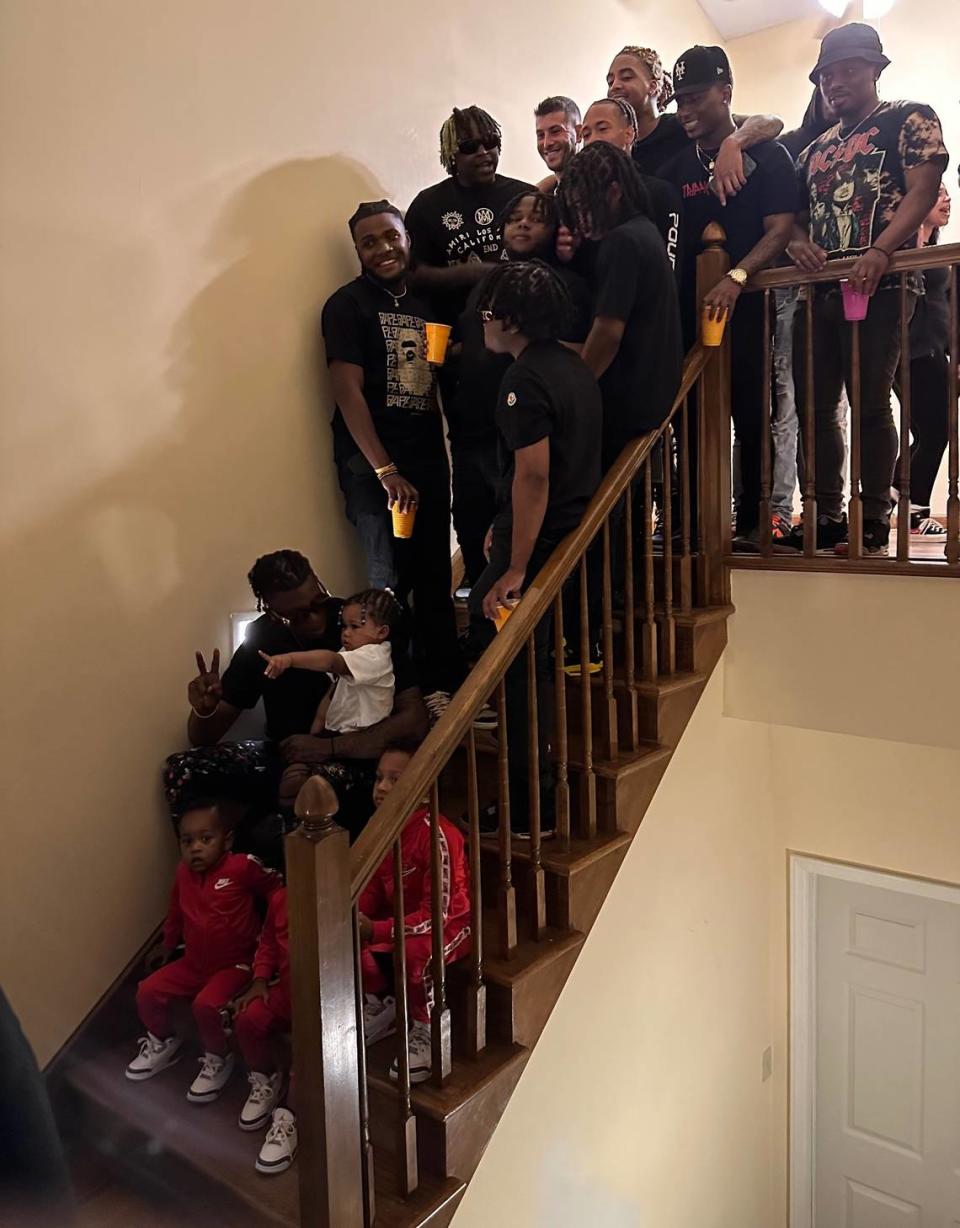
(680, 70)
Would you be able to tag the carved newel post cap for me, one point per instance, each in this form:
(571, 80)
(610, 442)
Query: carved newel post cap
(713, 235)
(316, 806)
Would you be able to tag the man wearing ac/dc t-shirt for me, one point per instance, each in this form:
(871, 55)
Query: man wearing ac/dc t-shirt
(388, 438)
(757, 222)
(866, 185)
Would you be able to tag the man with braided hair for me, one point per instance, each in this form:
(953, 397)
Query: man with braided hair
(296, 613)
(637, 74)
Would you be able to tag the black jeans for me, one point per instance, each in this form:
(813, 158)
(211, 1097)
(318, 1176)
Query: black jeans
(476, 475)
(420, 574)
(929, 393)
(749, 402)
(516, 687)
(832, 371)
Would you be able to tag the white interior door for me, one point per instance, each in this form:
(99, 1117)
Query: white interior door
(887, 1086)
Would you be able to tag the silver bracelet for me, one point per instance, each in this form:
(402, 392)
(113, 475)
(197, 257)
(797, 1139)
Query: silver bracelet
(204, 716)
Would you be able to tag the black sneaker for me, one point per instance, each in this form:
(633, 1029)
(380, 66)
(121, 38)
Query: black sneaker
(490, 825)
(830, 534)
(876, 540)
(571, 660)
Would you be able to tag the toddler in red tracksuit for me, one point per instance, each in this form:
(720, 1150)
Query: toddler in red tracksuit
(213, 910)
(376, 906)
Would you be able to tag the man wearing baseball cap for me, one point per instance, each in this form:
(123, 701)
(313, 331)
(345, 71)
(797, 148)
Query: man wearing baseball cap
(866, 185)
(757, 222)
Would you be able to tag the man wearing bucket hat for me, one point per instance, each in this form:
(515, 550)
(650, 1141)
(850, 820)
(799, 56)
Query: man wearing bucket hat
(866, 183)
(757, 223)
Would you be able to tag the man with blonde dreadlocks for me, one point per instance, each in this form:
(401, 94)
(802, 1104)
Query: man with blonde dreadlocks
(637, 74)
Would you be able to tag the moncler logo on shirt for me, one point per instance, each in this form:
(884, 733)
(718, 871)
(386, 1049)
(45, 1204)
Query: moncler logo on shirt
(222, 882)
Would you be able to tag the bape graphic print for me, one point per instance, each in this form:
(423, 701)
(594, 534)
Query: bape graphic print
(410, 378)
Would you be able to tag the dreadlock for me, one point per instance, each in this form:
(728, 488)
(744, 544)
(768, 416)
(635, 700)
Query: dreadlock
(657, 73)
(529, 296)
(584, 193)
(625, 108)
(377, 604)
(559, 102)
(278, 572)
(544, 208)
(471, 121)
(370, 208)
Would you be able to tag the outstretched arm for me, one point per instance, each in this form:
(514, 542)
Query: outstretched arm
(728, 175)
(320, 660)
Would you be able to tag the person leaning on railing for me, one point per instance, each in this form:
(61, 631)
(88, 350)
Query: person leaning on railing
(866, 185)
(297, 612)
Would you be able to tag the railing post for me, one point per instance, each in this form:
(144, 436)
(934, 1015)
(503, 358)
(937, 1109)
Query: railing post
(714, 443)
(324, 1014)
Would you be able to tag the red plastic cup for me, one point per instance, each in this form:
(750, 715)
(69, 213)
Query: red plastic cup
(855, 303)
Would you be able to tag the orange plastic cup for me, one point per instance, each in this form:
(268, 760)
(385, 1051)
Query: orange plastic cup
(711, 330)
(403, 521)
(503, 613)
(438, 337)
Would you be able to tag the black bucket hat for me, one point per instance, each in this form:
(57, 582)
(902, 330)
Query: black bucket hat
(855, 41)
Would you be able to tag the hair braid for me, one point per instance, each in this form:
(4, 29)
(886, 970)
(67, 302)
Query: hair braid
(377, 604)
(658, 75)
(625, 108)
(584, 193)
(530, 296)
(459, 127)
(278, 572)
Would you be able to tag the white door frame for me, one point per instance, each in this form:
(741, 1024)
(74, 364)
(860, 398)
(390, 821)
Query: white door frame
(804, 875)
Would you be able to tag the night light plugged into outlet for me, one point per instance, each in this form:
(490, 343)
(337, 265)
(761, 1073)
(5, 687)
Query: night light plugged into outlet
(238, 627)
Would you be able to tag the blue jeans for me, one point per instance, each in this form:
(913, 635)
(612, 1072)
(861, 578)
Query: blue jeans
(785, 422)
(366, 507)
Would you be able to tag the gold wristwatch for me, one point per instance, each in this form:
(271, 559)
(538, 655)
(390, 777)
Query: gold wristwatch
(739, 276)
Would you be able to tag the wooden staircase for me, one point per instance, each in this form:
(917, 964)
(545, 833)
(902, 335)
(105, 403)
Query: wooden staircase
(201, 1161)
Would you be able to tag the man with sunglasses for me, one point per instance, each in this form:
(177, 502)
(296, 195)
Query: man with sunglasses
(296, 612)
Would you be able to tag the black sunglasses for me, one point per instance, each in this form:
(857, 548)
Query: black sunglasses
(474, 144)
(296, 617)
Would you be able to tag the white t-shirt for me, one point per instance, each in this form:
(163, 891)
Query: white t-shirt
(364, 696)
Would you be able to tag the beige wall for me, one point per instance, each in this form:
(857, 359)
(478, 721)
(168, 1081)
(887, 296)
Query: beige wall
(643, 1101)
(174, 184)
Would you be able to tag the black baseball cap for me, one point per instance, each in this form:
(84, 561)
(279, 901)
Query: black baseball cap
(701, 67)
(856, 41)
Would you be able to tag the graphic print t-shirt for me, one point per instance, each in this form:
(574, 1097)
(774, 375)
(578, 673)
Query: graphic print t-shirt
(853, 184)
(449, 224)
(363, 325)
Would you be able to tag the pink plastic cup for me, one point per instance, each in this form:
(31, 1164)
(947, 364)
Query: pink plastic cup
(855, 303)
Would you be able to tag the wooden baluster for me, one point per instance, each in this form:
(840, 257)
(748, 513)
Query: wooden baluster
(903, 501)
(809, 436)
(562, 754)
(629, 626)
(856, 503)
(669, 637)
(366, 1145)
(440, 1015)
(538, 897)
(683, 467)
(766, 437)
(507, 903)
(649, 618)
(407, 1122)
(476, 1029)
(953, 432)
(609, 698)
(324, 1012)
(588, 784)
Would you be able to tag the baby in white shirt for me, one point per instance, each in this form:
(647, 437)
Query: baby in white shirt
(362, 694)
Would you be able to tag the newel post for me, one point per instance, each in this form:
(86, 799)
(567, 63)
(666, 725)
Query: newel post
(326, 1076)
(714, 498)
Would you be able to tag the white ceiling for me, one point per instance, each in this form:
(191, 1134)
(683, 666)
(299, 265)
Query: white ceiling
(733, 18)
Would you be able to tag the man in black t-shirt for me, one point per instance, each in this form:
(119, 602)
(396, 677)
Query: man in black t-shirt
(297, 613)
(454, 225)
(548, 420)
(757, 222)
(866, 185)
(388, 438)
(634, 345)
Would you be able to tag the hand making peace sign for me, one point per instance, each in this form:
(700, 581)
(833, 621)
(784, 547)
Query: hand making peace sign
(205, 691)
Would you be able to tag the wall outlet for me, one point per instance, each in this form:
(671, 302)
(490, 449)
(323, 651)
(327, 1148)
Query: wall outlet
(767, 1063)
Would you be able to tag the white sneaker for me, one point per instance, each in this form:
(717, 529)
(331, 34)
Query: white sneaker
(280, 1145)
(264, 1094)
(437, 703)
(421, 1058)
(379, 1018)
(486, 718)
(155, 1055)
(210, 1082)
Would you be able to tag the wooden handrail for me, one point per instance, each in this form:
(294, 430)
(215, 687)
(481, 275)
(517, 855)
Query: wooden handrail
(936, 257)
(377, 837)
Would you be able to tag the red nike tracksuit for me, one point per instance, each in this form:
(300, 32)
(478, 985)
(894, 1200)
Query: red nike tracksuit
(376, 903)
(260, 1018)
(214, 914)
